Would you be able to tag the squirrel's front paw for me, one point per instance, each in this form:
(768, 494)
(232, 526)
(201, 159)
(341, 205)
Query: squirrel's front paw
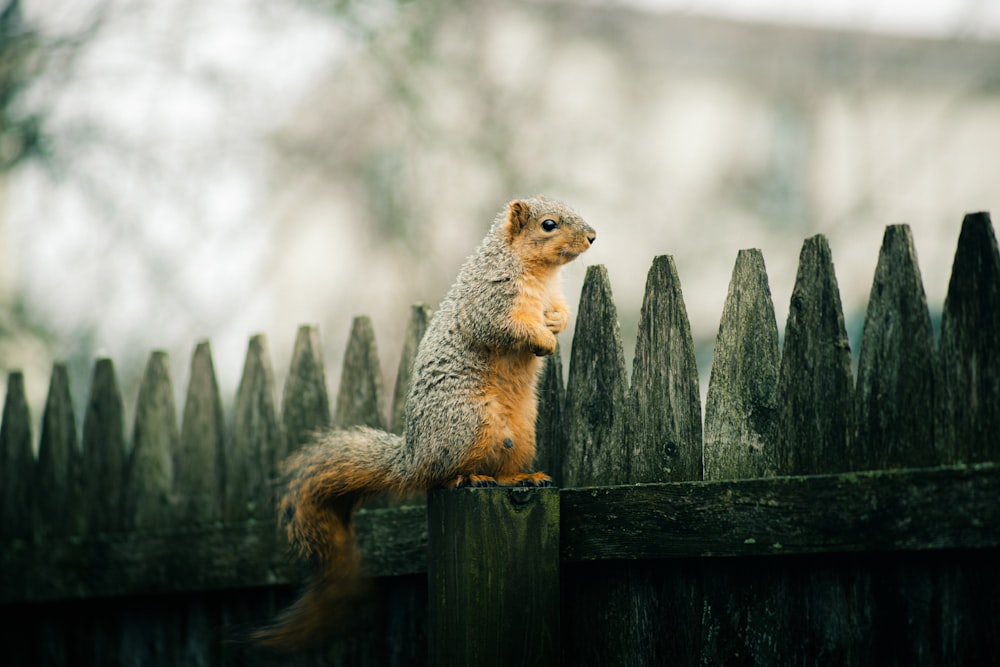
(543, 346)
(556, 320)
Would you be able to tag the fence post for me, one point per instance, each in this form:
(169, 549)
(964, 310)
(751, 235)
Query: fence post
(493, 573)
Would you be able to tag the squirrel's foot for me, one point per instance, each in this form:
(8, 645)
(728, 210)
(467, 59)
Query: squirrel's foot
(556, 320)
(526, 479)
(470, 481)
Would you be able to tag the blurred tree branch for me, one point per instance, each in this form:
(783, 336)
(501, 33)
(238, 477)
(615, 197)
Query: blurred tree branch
(27, 52)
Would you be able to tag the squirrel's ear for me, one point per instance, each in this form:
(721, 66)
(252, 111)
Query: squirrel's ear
(518, 216)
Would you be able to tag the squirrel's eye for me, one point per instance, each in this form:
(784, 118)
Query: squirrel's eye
(549, 225)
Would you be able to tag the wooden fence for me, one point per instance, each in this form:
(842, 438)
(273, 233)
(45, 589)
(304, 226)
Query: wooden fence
(809, 519)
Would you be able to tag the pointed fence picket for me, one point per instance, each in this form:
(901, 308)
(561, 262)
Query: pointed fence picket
(416, 326)
(822, 533)
(595, 451)
(815, 387)
(199, 460)
(741, 405)
(969, 349)
(58, 461)
(17, 492)
(896, 365)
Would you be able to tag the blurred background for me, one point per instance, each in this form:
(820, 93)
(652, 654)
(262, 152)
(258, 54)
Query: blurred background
(174, 170)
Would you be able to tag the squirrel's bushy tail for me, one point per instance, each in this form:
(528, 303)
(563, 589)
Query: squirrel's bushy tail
(326, 481)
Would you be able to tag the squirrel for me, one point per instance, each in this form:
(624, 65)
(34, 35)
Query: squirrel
(470, 411)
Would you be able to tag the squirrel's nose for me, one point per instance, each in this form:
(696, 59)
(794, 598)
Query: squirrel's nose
(591, 237)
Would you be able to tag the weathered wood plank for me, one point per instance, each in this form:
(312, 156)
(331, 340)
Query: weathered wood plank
(898, 510)
(815, 386)
(416, 326)
(150, 636)
(550, 425)
(595, 393)
(360, 397)
(738, 614)
(58, 460)
(663, 431)
(149, 475)
(885, 511)
(493, 573)
(17, 464)
(103, 456)
(599, 449)
(895, 390)
(914, 608)
(256, 442)
(967, 420)
(199, 481)
(207, 557)
(148, 503)
(969, 348)
(305, 406)
(741, 406)
(618, 609)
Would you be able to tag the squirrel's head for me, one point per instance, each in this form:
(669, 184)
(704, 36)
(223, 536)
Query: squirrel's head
(543, 231)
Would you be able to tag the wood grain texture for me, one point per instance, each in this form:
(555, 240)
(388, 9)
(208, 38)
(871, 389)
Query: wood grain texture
(550, 426)
(361, 397)
(494, 576)
(305, 406)
(969, 348)
(900, 510)
(17, 464)
(58, 469)
(218, 556)
(895, 390)
(255, 445)
(148, 491)
(869, 511)
(741, 406)
(663, 433)
(199, 462)
(815, 385)
(595, 451)
(103, 456)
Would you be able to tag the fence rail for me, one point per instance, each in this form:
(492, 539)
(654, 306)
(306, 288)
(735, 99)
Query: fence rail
(872, 498)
